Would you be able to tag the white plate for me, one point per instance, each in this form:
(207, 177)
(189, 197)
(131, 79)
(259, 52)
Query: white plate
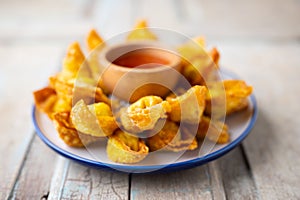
(240, 125)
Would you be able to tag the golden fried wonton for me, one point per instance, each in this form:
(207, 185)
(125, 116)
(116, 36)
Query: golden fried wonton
(123, 147)
(93, 40)
(141, 32)
(82, 90)
(215, 131)
(95, 45)
(75, 79)
(68, 133)
(236, 93)
(144, 113)
(74, 63)
(45, 99)
(188, 107)
(199, 65)
(170, 138)
(91, 120)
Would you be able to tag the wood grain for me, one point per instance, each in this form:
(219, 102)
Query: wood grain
(83, 182)
(237, 178)
(23, 69)
(216, 181)
(273, 145)
(58, 178)
(36, 173)
(187, 184)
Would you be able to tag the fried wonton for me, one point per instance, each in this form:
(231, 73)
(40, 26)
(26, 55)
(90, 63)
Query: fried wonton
(45, 99)
(143, 114)
(95, 120)
(82, 90)
(74, 65)
(75, 78)
(95, 45)
(68, 133)
(123, 147)
(188, 107)
(170, 138)
(48, 102)
(236, 94)
(75, 68)
(141, 32)
(61, 105)
(214, 130)
(199, 65)
(93, 40)
(215, 55)
(192, 48)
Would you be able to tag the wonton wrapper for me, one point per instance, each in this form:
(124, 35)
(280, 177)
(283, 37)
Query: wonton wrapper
(125, 148)
(68, 133)
(188, 107)
(143, 114)
(141, 32)
(236, 93)
(170, 138)
(91, 120)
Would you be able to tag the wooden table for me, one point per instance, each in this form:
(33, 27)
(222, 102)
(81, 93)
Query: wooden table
(259, 40)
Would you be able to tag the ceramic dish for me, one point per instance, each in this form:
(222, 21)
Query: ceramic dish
(240, 125)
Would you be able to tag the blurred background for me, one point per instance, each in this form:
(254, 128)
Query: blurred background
(60, 20)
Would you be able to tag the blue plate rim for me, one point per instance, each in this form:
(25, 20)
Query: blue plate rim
(153, 168)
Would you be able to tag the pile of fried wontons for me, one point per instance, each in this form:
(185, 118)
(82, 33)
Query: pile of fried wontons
(88, 119)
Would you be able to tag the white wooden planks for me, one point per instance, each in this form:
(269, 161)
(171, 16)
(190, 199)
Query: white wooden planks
(35, 175)
(187, 184)
(273, 145)
(237, 178)
(23, 69)
(83, 182)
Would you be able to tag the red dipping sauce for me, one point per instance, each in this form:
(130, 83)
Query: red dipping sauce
(141, 58)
